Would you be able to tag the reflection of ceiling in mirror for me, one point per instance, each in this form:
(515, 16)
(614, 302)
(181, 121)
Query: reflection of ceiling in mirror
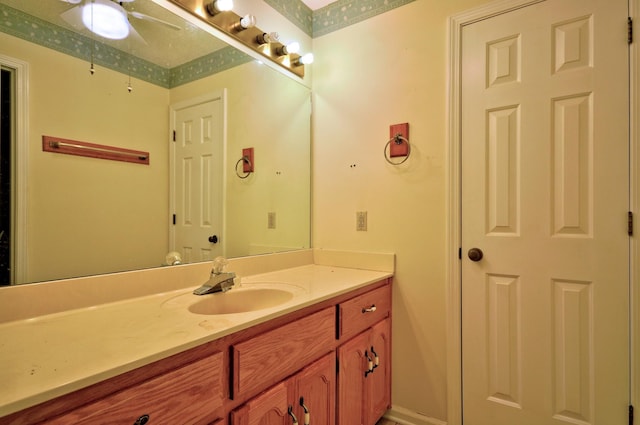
(166, 47)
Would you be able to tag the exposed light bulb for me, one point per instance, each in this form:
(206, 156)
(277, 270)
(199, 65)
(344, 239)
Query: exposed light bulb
(218, 6)
(266, 38)
(247, 21)
(106, 18)
(293, 47)
(305, 59)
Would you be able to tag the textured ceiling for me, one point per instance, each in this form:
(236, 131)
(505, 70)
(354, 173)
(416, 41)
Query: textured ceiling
(164, 46)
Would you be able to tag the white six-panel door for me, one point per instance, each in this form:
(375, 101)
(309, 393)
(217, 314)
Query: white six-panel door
(197, 186)
(544, 181)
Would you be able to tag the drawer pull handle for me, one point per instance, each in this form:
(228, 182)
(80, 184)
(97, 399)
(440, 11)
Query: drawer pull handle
(369, 364)
(369, 309)
(142, 420)
(376, 361)
(293, 417)
(307, 415)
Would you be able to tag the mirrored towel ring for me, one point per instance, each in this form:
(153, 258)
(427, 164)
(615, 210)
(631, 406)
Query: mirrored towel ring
(244, 160)
(398, 139)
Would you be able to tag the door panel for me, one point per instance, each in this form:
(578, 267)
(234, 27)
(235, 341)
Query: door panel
(197, 181)
(544, 196)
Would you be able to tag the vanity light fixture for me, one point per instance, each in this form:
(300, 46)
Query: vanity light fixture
(105, 18)
(218, 6)
(243, 29)
(246, 22)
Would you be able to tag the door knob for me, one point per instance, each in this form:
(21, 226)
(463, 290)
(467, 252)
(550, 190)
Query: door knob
(475, 254)
(213, 239)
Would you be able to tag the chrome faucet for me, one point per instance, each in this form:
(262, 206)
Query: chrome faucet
(219, 281)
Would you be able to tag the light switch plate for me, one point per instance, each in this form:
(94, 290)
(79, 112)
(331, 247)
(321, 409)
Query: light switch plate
(271, 220)
(361, 221)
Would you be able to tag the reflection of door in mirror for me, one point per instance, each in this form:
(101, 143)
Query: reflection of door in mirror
(6, 177)
(196, 182)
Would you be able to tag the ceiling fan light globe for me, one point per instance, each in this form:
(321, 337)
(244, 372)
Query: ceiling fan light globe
(106, 19)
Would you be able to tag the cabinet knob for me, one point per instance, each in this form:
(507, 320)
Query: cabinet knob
(293, 417)
(142, 420)
(369, 309)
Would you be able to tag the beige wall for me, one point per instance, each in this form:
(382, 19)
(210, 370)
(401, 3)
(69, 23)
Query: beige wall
(86, 215)
(391, 69)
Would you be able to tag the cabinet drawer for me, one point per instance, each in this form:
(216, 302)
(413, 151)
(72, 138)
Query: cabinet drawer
(189, 394)
(263, 360)
(356, 315)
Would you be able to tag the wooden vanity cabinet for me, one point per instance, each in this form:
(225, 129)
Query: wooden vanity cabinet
(253, 376)
(307, 397)
(364, 372)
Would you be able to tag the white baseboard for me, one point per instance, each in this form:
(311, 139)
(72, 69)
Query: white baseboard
(407, 417)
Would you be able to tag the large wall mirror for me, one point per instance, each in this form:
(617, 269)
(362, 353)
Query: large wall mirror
(85, 216)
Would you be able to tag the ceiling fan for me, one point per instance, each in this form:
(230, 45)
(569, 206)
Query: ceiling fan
(108, 18)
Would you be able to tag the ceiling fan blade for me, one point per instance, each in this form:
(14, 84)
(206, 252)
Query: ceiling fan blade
(144, 17)
(73, 17)
(134, 35)
(72, 1)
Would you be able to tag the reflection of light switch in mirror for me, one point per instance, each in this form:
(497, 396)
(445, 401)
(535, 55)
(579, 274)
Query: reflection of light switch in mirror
(248, 167)
(398, 149)
(361, 221)
(271, 220)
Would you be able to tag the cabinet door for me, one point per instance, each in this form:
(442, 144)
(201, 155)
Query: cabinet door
(315, 389)
(269, 408)
(379, 381)
(351, 380)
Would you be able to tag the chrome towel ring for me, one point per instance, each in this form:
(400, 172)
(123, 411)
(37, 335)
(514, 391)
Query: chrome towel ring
(397, 139)
(245, 159)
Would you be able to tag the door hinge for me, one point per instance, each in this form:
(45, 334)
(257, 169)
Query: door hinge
(174, 219)
(630, 414)
(174, 135)
(630, 30)
(630, 223)
(460, 253)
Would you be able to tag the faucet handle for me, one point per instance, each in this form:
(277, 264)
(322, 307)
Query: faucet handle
(219, 263)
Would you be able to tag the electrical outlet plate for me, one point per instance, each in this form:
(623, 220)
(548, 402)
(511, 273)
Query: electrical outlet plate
(271, 220)
(361, 221)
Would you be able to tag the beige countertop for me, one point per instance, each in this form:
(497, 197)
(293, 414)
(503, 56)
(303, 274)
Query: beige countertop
(47, 356)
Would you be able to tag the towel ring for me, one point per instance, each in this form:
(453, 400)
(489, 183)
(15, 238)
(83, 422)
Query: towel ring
(244, 159)
(397, 139)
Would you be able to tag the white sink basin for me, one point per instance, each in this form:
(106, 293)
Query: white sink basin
(240, 301)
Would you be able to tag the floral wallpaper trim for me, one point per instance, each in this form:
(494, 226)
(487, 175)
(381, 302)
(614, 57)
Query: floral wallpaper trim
(344, 13)
(215, 62)
(295, 11)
